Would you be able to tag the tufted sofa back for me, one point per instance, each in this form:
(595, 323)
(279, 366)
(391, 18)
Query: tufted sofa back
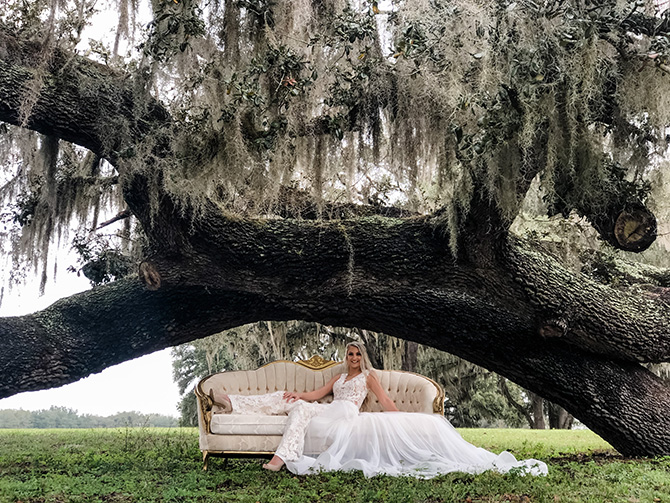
(410, 392)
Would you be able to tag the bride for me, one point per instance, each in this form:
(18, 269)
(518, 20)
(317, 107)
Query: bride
(391, 443)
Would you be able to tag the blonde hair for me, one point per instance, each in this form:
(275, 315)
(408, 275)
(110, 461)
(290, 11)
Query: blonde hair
(366, 366)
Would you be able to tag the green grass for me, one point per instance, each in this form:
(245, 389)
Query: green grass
(536, 443)
(159, 465)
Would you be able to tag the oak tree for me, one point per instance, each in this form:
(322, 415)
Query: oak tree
(357, 164)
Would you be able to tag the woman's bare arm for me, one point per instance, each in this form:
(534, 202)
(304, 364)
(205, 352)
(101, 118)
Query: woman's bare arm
(310, 396)
(384, 399)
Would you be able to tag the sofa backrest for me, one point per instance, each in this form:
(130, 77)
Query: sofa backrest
(410, 392)
(276, 376)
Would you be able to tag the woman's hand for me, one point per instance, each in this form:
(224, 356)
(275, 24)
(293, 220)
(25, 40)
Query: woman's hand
(291, 396)
(384, 400)
(311, 396)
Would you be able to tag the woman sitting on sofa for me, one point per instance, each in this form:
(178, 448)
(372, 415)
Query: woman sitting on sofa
(392, 443)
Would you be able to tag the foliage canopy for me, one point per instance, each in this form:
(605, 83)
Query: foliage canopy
(411, 104)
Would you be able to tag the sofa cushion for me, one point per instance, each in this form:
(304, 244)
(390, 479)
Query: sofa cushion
(247, 424)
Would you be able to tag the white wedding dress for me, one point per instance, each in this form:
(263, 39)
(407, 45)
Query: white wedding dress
(391, 443)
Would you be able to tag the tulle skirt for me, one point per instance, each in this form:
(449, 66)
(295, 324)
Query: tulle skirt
(398, 443)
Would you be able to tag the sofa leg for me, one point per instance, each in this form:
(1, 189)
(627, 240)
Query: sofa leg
(205, 459)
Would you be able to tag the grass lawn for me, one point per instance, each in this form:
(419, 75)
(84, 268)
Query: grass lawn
(161, 465)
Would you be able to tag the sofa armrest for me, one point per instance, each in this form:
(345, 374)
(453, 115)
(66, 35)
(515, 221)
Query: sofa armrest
(204, 406)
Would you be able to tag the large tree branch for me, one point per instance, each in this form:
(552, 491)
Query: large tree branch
(91, 331)
(112, 113)
(588, 314)
(364, 255)
(467, 312)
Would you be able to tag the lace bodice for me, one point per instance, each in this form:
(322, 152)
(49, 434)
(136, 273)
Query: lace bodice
(354, 390)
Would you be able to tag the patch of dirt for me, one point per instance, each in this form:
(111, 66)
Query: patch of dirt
(513, 498)
(228, 484)
(117, 497)
(599, 457)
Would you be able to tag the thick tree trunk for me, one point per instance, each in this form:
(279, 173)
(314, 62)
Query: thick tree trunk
(409, 356)
(559, 418)
(537, 412)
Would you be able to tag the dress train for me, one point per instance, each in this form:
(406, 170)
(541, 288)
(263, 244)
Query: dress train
(391, 443)
(399, 443)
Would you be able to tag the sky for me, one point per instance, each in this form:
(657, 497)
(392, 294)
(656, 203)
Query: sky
(113, 390)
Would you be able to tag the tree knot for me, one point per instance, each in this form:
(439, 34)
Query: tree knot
(554, 327)
(150, 276)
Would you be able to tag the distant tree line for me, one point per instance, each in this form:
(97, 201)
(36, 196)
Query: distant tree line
(63, 417)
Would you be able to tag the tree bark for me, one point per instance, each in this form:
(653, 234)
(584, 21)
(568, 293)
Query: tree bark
(537, 412)
(91, 331)
(409, 356)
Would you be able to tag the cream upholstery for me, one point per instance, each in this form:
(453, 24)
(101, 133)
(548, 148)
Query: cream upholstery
(247, 435)
(234, 424)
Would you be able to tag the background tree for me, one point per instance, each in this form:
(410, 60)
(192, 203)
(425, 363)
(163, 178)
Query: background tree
(350, 164)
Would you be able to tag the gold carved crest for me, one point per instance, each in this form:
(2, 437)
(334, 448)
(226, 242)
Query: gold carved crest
(317, 363)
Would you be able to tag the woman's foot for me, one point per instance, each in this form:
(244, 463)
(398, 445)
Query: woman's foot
(223, 405)
(275, 464)
(272, 468)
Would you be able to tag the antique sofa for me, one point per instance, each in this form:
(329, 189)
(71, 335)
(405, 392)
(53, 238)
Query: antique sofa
(237, 435)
